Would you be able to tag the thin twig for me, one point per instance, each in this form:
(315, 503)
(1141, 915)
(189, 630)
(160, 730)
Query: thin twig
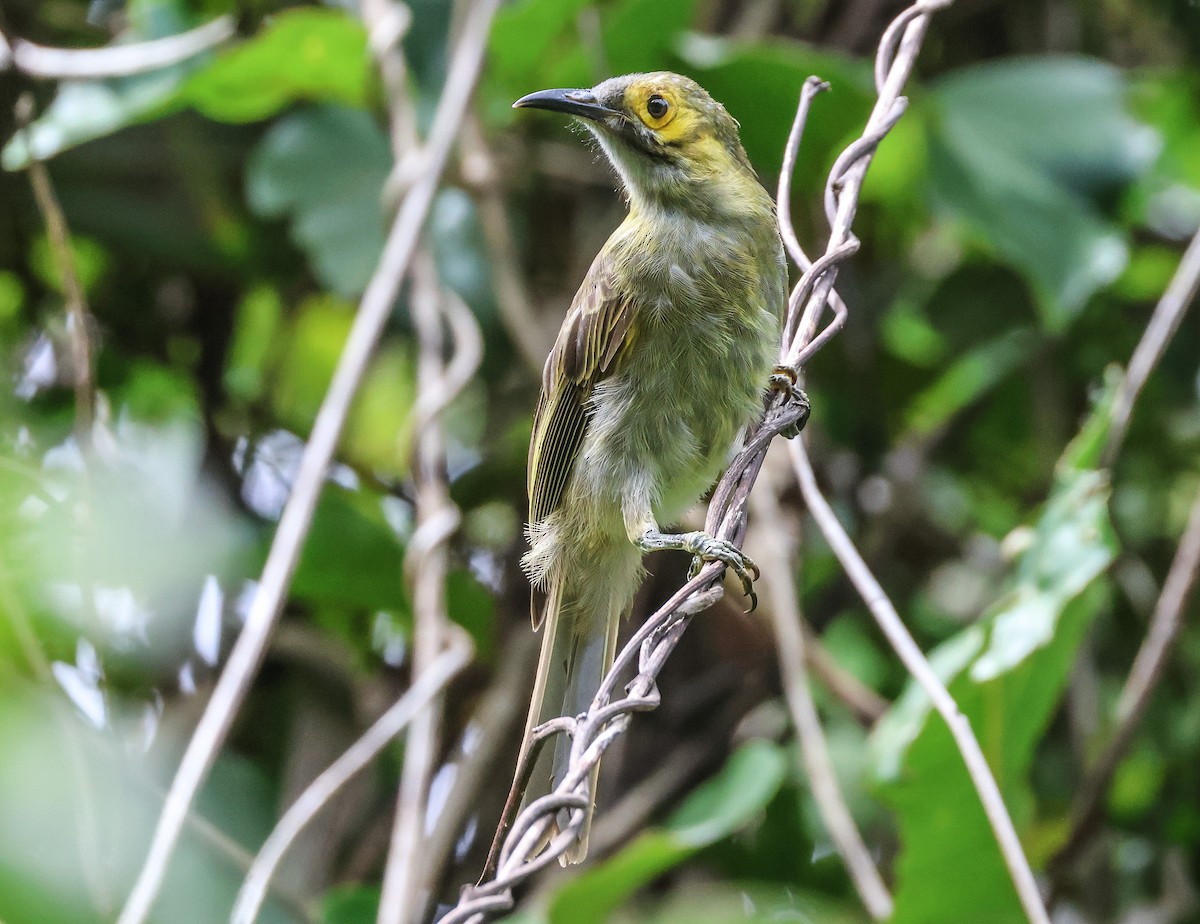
(512, 297)
(893, 64)
(1150, 349)
(294, 524)
(867, 705)
(448, 664)
(114, 60)
(783, 198)
(499, 708)
(914, 661)
(78, 330)
(78, 324)
(425, 566)
(1147, 671)
(406, 873)
(387, 23)
(774, 557)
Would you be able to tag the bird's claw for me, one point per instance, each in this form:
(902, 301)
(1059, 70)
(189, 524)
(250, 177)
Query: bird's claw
(783, 380)
(706, 548)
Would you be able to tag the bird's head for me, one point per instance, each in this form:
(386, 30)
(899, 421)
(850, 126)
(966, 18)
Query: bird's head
(668, 139)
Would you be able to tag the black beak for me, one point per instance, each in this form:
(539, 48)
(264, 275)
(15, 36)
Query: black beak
(582, 103)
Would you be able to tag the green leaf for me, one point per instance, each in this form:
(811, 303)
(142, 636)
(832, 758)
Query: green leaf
(705, 902)
(378, 436)
(728, 802)
(255, 343)
(318, 55)
(724, 804)
(301, 363)
(1085, 450)
(65, 783)
(592, 897)
(638, 32)
(459, 250)
(307, 357)
(1168, 198)
(1137, 783)
(1021, 150)
(966, 380)
(351, 557)
(324, 169)
(1007, 674)
(89, 258)
(472, 606)
(350, 905)
(908, 334)
(525, 35)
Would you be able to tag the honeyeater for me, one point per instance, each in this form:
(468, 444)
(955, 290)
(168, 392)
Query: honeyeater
(661, 363)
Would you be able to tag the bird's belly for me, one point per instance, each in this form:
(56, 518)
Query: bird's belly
(662, 429)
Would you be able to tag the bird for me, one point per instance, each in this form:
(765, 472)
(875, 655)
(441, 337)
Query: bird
(662, 361)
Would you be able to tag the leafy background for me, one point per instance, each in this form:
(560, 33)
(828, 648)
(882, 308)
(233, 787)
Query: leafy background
(1017, 227)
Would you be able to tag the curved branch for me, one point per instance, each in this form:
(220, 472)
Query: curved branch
(114, 60)
(254, 888)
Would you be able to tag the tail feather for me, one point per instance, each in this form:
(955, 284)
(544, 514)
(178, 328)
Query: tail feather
(592, 656)
(575, 656)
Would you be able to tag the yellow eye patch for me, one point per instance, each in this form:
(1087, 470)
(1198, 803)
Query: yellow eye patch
(656, 108)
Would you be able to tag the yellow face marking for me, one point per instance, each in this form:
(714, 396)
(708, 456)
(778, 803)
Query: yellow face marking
(660, 108)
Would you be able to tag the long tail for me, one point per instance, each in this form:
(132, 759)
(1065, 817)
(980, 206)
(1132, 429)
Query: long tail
(577, 651)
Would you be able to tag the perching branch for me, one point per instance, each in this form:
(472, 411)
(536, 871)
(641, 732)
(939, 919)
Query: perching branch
(525, 850)
(374, 310)
(609, 714)
(897, 55)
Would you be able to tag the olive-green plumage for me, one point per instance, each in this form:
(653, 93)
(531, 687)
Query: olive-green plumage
(662, 359)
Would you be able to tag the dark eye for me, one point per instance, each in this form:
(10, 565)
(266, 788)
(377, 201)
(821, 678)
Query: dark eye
(657, 106)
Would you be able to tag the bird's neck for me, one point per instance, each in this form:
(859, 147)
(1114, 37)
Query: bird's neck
(731, 198)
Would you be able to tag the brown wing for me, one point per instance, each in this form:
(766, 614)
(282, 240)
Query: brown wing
(590, 344)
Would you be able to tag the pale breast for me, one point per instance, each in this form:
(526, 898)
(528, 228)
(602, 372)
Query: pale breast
(705, 340)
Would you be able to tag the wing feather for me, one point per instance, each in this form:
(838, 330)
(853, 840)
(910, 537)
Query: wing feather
(590, 346)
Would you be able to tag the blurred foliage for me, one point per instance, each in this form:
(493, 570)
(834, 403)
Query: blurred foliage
(1017, 227)
(1006, 673)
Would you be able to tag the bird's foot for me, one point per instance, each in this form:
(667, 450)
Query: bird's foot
(706, 548)
(783, 380)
